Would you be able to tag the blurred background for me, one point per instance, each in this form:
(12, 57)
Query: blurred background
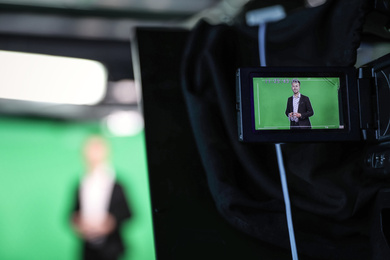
(66, 71)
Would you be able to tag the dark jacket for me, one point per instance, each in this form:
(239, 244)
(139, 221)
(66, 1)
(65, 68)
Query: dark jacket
(113, 246)
(304, 108)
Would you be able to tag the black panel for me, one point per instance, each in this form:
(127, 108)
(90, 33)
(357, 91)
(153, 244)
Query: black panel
(187, 224)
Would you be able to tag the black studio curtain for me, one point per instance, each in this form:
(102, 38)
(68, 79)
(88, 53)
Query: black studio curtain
(331, 196)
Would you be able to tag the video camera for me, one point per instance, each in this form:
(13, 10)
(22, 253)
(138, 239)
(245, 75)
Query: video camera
(347, 104)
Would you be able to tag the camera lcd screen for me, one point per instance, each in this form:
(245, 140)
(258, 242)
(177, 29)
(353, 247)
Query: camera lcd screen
(297, 104)
(317, 103)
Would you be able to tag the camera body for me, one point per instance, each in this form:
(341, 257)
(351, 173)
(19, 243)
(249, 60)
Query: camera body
(332, 104)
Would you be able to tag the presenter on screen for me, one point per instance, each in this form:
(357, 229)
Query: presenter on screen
(299, 108)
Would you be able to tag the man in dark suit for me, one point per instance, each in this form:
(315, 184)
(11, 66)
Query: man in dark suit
(299, 108)
(100, 205)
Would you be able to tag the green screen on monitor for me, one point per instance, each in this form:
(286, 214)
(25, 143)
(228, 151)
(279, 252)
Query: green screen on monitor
(271, 109)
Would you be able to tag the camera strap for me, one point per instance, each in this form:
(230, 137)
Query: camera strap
(260, 17)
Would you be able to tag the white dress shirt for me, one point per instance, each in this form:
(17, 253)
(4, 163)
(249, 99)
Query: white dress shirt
(95, 194)
(295, 106)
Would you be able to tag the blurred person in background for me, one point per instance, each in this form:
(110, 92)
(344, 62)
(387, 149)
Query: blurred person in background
(100, 204)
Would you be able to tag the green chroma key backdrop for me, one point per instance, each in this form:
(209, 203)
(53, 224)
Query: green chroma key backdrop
(270, 100)
(39, 167)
